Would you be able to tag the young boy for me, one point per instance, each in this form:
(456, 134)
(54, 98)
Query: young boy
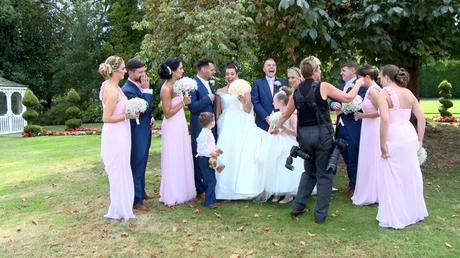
(206, 147)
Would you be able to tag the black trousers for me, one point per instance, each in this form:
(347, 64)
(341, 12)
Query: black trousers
(317, 142)
(209, 180)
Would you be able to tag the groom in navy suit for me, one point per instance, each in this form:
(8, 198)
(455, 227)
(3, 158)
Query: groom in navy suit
(138, 85)
(262, 93)
(347, 127)
(202, 100)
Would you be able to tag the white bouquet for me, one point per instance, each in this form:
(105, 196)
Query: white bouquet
(354, 106)
(184, 86)
(422, 155)
(274, 117)
(239, 87)
(136, 105)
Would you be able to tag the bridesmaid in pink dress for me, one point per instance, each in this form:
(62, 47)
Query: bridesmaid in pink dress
(116, 140)
(177, 177)
(401, 201)
(369, 146)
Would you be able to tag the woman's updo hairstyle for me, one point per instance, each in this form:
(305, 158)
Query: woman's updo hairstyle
(232, 65)
(168, 67)
(369, 70)
(399, 75)
(111, 64)
(284, 94)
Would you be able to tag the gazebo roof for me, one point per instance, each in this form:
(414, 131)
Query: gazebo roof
(6, 83)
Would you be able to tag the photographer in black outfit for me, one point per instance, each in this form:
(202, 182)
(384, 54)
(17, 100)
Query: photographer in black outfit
(315, 135)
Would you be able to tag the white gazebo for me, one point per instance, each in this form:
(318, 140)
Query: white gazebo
(11, 108)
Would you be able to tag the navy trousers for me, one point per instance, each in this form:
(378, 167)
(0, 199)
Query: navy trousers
(350, 153)
(209, 180)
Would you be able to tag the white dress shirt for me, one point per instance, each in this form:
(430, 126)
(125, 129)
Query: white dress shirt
(347, 85)
(271, 83)
(206, 143)
(206, 83)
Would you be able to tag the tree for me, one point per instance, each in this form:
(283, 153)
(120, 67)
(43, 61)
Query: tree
(73, 112)
(445, 89)
(406, 33)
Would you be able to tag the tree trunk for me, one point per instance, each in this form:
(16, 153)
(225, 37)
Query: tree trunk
(414, 83)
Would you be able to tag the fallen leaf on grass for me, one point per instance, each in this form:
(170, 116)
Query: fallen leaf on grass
(303, 243)
(105, 233)
(18, 229)
(335, 241)
(191, 249)
(269, 216)
(240, 229)
(453, 216)
(34, 222)
(189, 233)
(275, 244)
(448, 245)
(53, 245)
(184, 221)
(124, 234)
(24, 199)
(218, 215)
(197, 212)
(174, 229)
(235, 256)
(256, 215)
(191, 205)
(248, 253)
(311, 234)
(266, 229)
(246, 206)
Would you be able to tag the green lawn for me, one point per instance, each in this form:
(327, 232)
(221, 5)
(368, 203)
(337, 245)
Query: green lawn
(430, 106)
(54, 193)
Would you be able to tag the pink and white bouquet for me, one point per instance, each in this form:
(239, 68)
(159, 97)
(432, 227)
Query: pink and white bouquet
(354, 106)
(184, 86)
(422, 155)
(274, 117)
(136, 105)
(239, 87)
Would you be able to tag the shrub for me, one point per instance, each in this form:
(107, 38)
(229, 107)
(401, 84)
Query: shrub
(73, 112)
(445, 89)
(93, 112)
(32, 130)
(31, 102)
(54, 115)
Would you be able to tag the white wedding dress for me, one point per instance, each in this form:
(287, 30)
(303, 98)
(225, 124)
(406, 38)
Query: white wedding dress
(242, 142)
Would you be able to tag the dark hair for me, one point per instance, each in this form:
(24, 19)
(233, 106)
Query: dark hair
(350, 64)
(168, 67)
(399, 75)
(369, 70)
(134, 63)
(204, 62)
(231, 65)
(205, 118)
(284, 94)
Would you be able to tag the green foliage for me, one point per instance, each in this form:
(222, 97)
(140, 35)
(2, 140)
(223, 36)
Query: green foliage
(73, 97)
(30, 100)
(433, 73)
(30, 116)
(54, 115)
(73, 123)
(92, 113)
(73, 111)
(32, 129)
(445, 92)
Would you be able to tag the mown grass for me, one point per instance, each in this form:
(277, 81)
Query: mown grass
(54, 193)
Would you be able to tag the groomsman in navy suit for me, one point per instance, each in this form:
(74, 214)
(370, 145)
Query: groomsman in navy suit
(138, 85)
(262, 93)
(202, 101)
(347, 127)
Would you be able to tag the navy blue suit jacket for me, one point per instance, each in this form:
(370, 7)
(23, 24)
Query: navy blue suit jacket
(262, 100)
(349, 119)
(200, 102)
(140, 134)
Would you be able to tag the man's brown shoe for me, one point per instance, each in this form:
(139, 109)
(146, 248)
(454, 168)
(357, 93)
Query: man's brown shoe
(140, 207)
(146, 197)
(213, 206)
(200, 196)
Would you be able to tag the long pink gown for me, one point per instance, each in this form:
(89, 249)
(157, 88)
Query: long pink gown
(177, 178)
(369, 155)
(401, 201)
(116, 153)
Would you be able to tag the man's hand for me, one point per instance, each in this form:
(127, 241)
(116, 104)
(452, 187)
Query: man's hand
(152, 122)
(145, 82)
(267, 119)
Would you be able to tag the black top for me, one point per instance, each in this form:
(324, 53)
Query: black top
(306, 115)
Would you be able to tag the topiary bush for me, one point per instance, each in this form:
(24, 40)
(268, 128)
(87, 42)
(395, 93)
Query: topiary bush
(73, 112)
(445, 91)
(31, 102)
(32, 130)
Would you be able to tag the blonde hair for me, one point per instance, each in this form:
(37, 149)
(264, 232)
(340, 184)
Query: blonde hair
(308, 65)
(296, 71)
(111, 64)
(284, 94)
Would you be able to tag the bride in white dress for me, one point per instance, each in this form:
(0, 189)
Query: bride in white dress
(241, 141)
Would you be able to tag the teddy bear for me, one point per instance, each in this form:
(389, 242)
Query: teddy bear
(213, 161)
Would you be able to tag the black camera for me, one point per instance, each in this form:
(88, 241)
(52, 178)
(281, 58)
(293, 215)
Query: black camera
(338, 146)
(295, 152)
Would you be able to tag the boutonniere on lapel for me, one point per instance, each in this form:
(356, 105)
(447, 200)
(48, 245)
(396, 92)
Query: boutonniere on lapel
(277, 83)
(211, 83)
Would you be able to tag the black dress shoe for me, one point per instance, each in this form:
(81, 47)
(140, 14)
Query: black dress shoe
(294, 214)
(320, 221)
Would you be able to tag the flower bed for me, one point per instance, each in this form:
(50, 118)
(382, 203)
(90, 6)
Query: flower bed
(78, 131)
(447, 120)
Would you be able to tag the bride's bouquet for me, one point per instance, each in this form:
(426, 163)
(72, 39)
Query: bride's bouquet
(274, 117)
(354, 106)
(136, 105)
(184, 86)
(422, 155)
(239, 87)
